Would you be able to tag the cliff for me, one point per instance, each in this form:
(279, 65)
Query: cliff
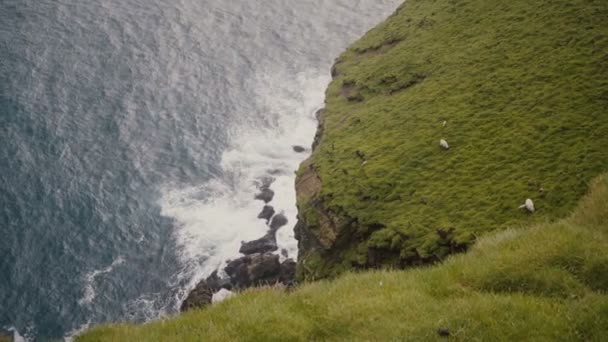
(518, 91)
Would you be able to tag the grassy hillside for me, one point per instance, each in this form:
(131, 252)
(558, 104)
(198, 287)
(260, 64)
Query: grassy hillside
(522, 87)
(547, 282)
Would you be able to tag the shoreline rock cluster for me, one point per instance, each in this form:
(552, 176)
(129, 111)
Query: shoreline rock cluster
(259, 265)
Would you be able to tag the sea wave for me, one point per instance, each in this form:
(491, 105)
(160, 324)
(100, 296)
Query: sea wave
(213, 218)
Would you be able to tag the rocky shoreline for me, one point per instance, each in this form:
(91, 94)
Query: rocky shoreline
(260, 265)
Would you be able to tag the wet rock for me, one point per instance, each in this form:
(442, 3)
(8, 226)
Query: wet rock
(265, 194)
(277, 222)
(254, 270)
(200, 297)
(266, 213)
(284, 252)
(288, 272)
(264, 244)
(275, 172)
(216, 283)
(265, 182)
(298, 148)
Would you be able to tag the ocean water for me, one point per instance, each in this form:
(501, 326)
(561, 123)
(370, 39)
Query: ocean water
(131, 136)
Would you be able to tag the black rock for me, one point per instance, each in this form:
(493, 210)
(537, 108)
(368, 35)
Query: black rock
(199, 297)
(284, 252)
(254, 270)
(334, 70)
(288, 272)
(264, 269)
(298, 149)
(266, 213)
(443, 332)
(264, 244)
(277, 222)
(265, 194)
(216, 283)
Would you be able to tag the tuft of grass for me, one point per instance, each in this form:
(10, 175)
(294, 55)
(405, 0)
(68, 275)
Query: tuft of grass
(522, 86)
(546, 282)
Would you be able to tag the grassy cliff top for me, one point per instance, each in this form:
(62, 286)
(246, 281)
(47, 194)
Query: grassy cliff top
(518, 89)
(547, 282)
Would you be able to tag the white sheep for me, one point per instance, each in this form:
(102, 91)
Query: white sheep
(445, 123)
(444, 144)
(528, 205)
(221, 296)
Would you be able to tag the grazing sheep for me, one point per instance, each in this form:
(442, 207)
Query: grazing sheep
(444, 144)
(221, 296)
(445, 123)
(528, 205)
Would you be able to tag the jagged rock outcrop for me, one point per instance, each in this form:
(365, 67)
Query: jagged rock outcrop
(267, 243)
(216, 283)
(254, 270)
(201, 296)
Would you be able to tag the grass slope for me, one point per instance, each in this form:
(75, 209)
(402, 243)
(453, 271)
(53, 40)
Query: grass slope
(548, 282)
(523, 87)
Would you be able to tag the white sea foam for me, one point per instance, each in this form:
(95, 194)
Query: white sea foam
(71, 335)
(17, 337)
(215, 217)
(89, 281)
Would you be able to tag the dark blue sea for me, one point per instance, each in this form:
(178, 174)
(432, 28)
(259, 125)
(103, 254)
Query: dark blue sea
(131, 136)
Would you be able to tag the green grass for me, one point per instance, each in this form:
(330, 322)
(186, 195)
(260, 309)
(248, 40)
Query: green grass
(546, 282)
(523, 87)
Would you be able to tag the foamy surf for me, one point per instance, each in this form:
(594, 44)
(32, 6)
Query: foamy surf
(214, 218)
(89, 281)
(17, 337)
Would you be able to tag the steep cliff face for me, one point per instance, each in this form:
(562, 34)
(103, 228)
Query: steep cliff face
(518, 91)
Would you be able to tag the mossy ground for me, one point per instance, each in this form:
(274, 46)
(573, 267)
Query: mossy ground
(523, 88)
(546, 282)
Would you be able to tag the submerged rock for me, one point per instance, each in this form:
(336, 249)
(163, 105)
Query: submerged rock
(264, 244)
(277, 222)
(265, 194)
(298, 149)
(200, 297)
(266, 213)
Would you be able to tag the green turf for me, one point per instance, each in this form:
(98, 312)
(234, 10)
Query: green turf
(546, 282)
(523, 86)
